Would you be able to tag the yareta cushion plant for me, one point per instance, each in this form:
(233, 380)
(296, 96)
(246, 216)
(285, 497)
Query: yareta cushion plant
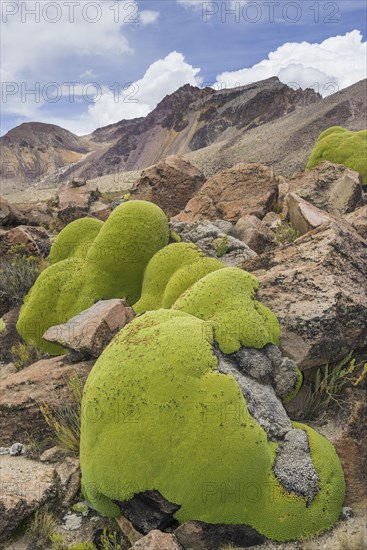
(152, 404)
(92, 261)
(341, 146)
(144, 427)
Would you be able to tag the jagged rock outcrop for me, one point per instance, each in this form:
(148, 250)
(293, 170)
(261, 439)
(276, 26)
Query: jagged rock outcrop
(331, 187)
(170, 184)
(242, 189)
(317, 287)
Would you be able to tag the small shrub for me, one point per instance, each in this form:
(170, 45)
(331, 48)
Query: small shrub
(65, 419)
(24, 355)
(220, 246)
(285, 233)
(41, 528)
(18, 274)
(328, 387)
(58, 543)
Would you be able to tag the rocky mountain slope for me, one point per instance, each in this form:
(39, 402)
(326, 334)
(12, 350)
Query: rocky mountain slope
(266, 122)
(33, 150)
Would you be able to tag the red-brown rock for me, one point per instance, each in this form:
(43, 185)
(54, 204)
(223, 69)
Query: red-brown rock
(170, 184)
(243, 189)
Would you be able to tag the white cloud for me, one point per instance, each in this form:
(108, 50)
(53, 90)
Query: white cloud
(163, 77)
(332, 65)
(148, 16)
(88, 74)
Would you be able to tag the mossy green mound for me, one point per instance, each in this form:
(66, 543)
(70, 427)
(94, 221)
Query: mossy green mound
(154, 416)
(109, 266)
(75, 239)
(226, 298)
(170, 272)
(341, 146)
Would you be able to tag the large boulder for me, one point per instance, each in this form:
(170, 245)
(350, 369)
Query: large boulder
(74, 202)
(331, 187)
(89, 332)
(35, 240)
(39, 213)
(303, 216)
(256, 234)
(317, 287)
(23, 392)
(243, 189)
(9, 214)
(170, 184)
(26, 485)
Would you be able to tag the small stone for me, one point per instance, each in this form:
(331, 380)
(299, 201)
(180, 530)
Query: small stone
(347, 513)
(16, 449)
(4, 450)
(55, 454)
(72, 522)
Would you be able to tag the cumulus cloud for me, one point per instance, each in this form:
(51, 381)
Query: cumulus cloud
(162, 77)
(48, 41)
(332, 65)
(148, 16)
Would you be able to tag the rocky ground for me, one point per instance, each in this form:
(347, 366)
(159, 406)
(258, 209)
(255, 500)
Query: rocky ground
(305, 238)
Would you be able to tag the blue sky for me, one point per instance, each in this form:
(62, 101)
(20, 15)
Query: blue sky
(158, 45)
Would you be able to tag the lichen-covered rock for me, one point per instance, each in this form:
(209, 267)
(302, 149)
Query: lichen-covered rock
(216, 239)
(109, 266)
(341, 146)
(317, 288)
(153, 417)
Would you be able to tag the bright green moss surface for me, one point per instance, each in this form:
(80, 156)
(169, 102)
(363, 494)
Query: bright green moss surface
(341, 146)
(112, 268)
(170, 272)
(157, 415)
(133, 233)
(75, 239)
(226, 298)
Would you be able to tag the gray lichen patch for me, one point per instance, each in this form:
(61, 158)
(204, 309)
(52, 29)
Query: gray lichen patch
(264, 376)
(293, 466)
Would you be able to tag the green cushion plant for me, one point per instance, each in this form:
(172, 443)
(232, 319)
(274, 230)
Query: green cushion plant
(341, 146)
(153, 418)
